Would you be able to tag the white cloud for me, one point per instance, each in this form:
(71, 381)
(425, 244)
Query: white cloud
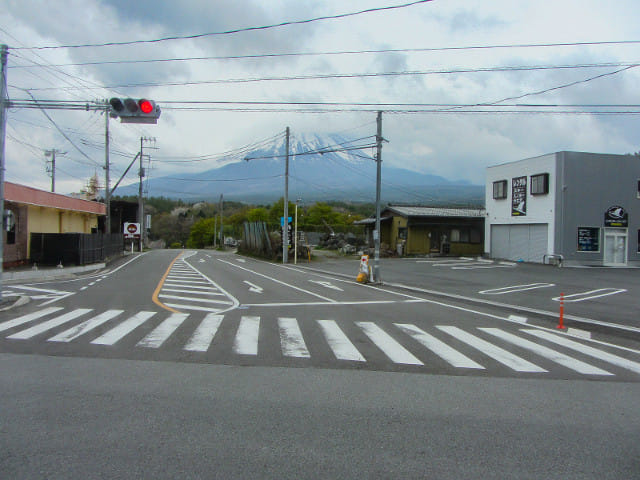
(457, 146)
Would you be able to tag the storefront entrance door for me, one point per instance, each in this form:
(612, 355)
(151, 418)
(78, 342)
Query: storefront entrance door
(615, 246)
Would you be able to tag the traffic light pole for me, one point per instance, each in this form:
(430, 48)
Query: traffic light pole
(140, 205)
(3, 129)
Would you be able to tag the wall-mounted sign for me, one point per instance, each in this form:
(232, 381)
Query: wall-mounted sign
(588, 239)
(616, 216)
(519, 197)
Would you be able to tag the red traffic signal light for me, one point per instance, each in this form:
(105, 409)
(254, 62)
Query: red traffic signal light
(130, 110)
(145, 106)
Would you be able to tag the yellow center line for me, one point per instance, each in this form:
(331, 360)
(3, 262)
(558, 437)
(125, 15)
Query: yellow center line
(161, 283)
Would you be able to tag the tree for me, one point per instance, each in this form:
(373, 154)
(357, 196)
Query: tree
(258, 215)
(202, 233)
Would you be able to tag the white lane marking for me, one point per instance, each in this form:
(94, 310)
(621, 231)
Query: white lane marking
(123, 329)
(438, 347)
(211, 292)
(587, 350)
(27, 318)
(190, 306)
(163, 331)
(517, 319)
(209, 287)
(203, 336)
(84, 327)
(590, 295)
(278, 281)
(389, 346)
(327, 284)
(291, 339)
(254, 288)
(195, 299)
(557, 357)
(516, 288)
(477, 266)
(339, 343)
(499, 354)
(246, 341)
(234, 301)
(53, 323)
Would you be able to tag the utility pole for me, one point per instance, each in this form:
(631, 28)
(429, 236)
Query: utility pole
(107, 190)
(52, 153)
(3, 130)
(376, 234)
(140, 204)
(221, 224)
(285, 229)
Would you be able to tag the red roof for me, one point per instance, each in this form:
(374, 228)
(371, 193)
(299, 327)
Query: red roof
(32, 196)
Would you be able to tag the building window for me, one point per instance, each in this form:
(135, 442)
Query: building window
(500, 189)
(402, 233)
(638, 194)
(460, 235)
(10, 226)
(540, 184)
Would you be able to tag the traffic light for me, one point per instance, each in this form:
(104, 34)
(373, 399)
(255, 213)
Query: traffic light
(131, 110)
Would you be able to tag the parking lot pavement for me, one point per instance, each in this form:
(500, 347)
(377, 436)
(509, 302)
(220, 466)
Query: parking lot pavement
(596, 299)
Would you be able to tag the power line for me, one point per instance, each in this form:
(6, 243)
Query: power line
(330, 53)
(231, 32)
(328, 76)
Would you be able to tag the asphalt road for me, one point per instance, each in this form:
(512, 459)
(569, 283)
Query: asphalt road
(202, 364)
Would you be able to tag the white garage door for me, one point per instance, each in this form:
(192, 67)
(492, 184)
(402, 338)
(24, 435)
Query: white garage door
(519, 242)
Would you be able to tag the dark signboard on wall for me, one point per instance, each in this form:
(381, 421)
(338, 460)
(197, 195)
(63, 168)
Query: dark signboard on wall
(588, 239)
(519, 197)
(616, 216)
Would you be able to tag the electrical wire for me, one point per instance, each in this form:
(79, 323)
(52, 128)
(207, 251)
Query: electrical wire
(231, 32)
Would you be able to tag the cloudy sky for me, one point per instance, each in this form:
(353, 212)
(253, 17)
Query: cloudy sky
(456, 80)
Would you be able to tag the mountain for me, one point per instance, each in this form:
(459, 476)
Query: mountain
(339, 172)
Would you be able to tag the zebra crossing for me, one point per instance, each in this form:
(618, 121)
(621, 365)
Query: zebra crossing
(470, 349)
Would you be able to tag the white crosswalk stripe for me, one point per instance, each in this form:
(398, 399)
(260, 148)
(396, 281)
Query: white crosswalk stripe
(438, 347)
(53, 323)
(163, 331)
(195, 333)
(291, 339)
(203, 336)
(499, 354)
(85, 327)
(246, 341)
(587, 350)
(339, 343)
(123, 329)
(562, 359)
(385, 342)
(16, 322)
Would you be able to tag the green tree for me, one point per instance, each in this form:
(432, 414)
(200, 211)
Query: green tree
(202, 233)
(259, 214)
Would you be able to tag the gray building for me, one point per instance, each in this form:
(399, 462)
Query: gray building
(570, 207)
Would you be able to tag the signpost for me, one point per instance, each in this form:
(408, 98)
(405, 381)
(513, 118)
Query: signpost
(132, 232)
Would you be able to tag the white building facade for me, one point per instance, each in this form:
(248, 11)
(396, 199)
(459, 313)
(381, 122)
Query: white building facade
(570, 207)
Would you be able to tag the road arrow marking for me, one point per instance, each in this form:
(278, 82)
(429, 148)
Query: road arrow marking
(254, 288)
(327, 284)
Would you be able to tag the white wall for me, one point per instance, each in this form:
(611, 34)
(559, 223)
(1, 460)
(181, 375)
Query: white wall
(540, 208)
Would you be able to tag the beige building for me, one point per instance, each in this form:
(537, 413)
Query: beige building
(29, 210)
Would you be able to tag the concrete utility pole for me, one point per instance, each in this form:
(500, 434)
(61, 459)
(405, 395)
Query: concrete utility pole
(3, 129)
(140, 204)
(285, 227)
(52, 153)
(221, 223)
(107, 181)
(376, 234)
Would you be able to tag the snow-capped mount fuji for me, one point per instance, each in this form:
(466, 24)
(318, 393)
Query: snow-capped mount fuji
(327, 167)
